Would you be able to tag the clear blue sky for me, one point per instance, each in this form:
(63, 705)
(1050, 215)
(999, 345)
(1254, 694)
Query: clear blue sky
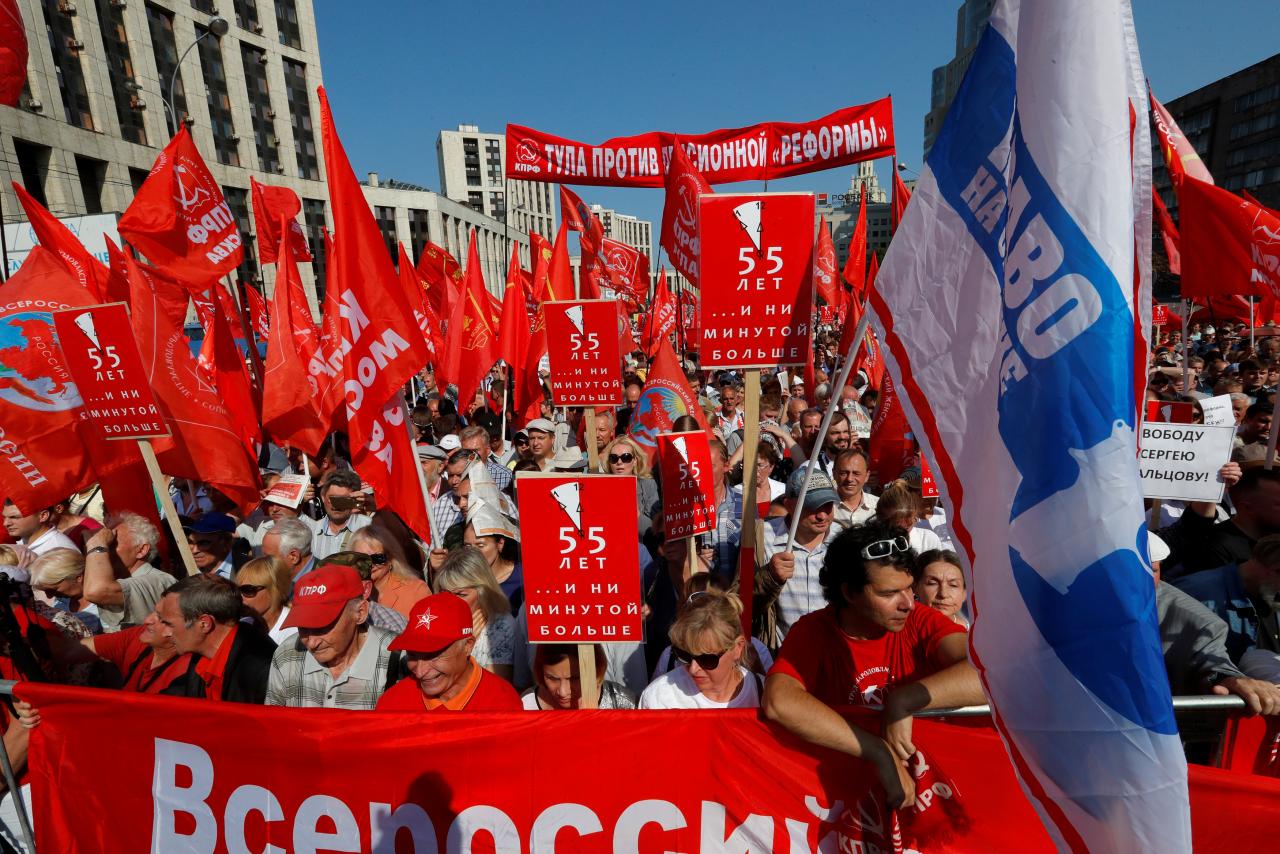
(399, 71)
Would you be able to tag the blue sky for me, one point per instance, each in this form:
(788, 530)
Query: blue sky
(398, 72)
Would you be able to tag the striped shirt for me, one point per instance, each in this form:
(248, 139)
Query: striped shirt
(298, 680)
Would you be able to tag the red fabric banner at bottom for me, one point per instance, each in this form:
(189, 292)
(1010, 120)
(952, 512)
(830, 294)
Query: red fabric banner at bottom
(123, 772)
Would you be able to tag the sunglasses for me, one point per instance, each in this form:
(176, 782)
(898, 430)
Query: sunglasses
(624, 457)
(248, 591)
(707, 660)
(881, 549)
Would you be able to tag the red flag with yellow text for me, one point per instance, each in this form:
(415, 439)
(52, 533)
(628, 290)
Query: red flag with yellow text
(443, 275)
(471, 345)
(1180, 156)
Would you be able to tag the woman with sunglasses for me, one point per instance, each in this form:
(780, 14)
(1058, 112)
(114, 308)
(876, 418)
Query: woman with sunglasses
(496, 537)
(767, 489)
(624, 456)
(697, 586)
(395, 586)
(264, 584)
(708, 644)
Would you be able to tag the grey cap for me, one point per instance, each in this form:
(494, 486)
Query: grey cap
(542, 425)
(821, 490)
(431, 452)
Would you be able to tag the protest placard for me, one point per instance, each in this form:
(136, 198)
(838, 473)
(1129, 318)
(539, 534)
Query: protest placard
(1181, 461)
(1217, 411)
(288, 490)
(756, 277)
(102, 356)
(582, 348)
(581, 558)
(688, 487)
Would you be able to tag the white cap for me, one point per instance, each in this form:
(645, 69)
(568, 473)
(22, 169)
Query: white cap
(1157, 548)
(450, 442)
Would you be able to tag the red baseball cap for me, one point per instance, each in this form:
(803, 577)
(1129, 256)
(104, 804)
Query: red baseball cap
(434, 623)
(320, 595)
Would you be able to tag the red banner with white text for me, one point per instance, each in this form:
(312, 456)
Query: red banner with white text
(178, 777)
(757, 153)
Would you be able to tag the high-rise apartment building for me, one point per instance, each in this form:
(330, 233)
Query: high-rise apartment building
(971, 20)
(625, 228)
(472, 172)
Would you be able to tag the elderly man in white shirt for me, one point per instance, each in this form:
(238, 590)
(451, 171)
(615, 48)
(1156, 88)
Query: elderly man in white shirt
(856, 505)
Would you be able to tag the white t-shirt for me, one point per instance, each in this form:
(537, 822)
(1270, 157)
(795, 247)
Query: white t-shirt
(279, 632)
(923, 539)
(677, 690)
(50, 540)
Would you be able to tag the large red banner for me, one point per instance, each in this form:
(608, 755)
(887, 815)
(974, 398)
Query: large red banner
(180, 779)
(757, 153)
(582, 565)
(757, 279)
(582, 344)
(101, 354)
(688, 486)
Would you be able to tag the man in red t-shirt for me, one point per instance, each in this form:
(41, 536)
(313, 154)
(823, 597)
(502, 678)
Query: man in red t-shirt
(147, 661)
(872, 646)
(443, 675)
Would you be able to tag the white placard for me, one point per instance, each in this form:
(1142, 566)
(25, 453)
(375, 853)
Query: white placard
(288, 490)
(1181, 461)
(1217, 411)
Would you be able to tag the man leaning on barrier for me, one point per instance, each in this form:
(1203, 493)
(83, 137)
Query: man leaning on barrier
(871, 646)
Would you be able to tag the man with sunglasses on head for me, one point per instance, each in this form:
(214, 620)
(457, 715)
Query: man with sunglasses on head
(442, 674)
(871, 646)
(337, 660)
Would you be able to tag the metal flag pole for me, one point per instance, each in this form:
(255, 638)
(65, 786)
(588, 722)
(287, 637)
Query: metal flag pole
(4, 242)
(1186, 347)
(832, 405)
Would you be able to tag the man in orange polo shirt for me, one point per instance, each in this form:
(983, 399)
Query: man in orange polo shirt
(437, 645)
(230, 660)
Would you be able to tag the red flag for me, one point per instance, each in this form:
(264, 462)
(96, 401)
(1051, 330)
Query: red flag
(443, 276)
(901, 195)
(666, 396)
(416, 296)
(50, 233)
(855, 265)
(1179, 155)
(626, 340)
(222, 367)
(258, 317)
(529, 388)
(680, 212)
(690, 313)
(289, 391)
(230, 312)
(513, 329)
(271, 206)
(1168, 234)
(560, 275)
(180, 220)
(540, 255)
(577, 216)
(824, 265)
(470, 348)
(42, 455)
(891, 448)
(380, 342)
(205, 445)
(854, 306)
(662, 317)
(1229, 245)
(13, 53)
(627, 269)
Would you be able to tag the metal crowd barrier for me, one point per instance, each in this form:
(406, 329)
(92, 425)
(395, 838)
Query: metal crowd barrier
(1209, 703)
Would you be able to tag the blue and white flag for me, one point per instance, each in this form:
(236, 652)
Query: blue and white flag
(1011, 303)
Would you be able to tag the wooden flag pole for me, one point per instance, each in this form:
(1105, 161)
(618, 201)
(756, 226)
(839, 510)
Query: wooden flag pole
(589, 431)
(437, 541)
(166, 501)
(590, 698)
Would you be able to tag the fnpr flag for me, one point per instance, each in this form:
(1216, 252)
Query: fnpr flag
(179, 219)
(13, 53)
(666, 396)
(1229, 245)
(684, 185)
(50, 233)
(289, 391)
(380, 343)
(271, 205)
(1180, 156)
(1028, 215)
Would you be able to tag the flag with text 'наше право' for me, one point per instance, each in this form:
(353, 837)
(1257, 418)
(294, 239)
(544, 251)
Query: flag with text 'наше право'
(1009, 305)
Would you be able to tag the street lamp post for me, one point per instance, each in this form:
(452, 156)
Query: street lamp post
(218, 27)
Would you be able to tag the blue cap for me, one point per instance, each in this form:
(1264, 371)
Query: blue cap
(213, 523)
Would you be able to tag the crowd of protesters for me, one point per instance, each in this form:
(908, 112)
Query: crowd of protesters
(334, 603)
